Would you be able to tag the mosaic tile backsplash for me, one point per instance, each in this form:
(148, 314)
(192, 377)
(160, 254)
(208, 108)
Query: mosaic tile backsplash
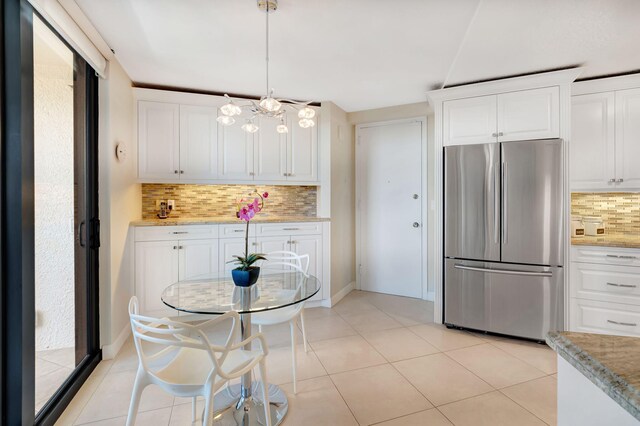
(219, 200)
(620, 211)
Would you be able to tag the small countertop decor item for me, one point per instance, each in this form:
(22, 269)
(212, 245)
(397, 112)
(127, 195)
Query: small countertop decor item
(245, 274)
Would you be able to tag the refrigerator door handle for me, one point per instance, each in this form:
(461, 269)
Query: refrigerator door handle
(496, 204)
(504, 203)
(504, 271)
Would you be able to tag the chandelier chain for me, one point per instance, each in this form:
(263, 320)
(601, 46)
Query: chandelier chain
(267, 48)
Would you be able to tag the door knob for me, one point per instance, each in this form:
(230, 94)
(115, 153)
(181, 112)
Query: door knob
(416, 225)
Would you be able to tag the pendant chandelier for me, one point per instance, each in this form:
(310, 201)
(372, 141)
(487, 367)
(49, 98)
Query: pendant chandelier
(268, 106)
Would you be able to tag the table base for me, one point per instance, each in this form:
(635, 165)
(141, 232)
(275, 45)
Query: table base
(233, 410)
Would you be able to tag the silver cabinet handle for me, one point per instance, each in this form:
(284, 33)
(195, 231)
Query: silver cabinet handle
(175, 171)
(252, 174)
(496, 203)
(290, 229)
(505, 213)
(285, 174)
(494, 135)
(238, 230)
(416, 225)
(293, 242)
(254, 244)
(180, 247)
(619, 180)
(181, 172)
(620, 256)
(612, 180)
(180, 232)
(500, 134)
(291, 175)
(622, 285)
(628, 324)
(504, 271)
(175, 247)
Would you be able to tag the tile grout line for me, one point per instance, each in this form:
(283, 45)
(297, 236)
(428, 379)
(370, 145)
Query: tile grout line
(522, 406)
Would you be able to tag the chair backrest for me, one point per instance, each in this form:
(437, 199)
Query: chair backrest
(299, 262)
(172, 336)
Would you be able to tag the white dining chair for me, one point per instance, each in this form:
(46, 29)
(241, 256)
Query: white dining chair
(188, 364)
(283, 260)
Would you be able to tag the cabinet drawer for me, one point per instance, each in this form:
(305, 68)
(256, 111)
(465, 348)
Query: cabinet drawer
(228, 231)
(607, 283)
(604, 318)
(605, 255)
(169, 233)
(300, 228)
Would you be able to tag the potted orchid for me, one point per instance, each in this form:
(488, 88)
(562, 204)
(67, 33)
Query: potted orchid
(245, 274)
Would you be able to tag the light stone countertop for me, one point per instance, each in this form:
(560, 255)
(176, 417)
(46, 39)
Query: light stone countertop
(611, 362)
(613, 240)
(225, 220)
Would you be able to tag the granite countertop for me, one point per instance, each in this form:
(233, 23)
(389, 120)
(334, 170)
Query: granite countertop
(614, 240)
(611, 362)
(225, 220)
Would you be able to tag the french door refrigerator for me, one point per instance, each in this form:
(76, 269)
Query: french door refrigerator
(503, 237)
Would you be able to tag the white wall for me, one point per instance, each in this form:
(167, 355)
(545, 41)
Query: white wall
(342, 174)
(119, 200)
(54, 192)
(420, 109)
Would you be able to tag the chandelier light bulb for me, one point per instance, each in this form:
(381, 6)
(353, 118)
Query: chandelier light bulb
(225, 120)
(270, 104)
(230, 109)
(282, 128)
(250, 127)
(305, 123)
(306, 112)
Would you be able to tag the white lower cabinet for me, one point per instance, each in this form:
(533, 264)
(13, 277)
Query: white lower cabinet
(156, 268)
(605, 290)
(165, 255)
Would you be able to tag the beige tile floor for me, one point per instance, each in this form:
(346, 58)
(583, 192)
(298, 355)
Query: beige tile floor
(52, 369)
(374, 359)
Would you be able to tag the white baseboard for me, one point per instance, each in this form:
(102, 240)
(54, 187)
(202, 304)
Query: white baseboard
(341, 294)
(110, 351)
(431, 296)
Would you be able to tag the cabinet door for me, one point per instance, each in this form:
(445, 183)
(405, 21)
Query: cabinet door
(628, 139)
(529, 114)
(592, 141)
(311, 245)
(198, 259)
(229, 247)
(266, 245)
(302, 152)
(198, 142)
(469, 121)
(156, 268)
(235, 153)
(158, 140)
(270, 151)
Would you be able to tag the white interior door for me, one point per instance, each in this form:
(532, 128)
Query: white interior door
(390, 207)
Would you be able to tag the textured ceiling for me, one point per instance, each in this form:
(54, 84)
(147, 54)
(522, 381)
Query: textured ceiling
(363, 54)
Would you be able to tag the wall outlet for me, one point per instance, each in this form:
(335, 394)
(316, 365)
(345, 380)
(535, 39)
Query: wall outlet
(171, 204)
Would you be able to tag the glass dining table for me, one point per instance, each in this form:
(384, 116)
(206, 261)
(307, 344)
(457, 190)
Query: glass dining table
(241, 404)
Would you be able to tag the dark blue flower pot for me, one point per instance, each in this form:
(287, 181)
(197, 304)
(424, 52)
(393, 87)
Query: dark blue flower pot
(245, 278)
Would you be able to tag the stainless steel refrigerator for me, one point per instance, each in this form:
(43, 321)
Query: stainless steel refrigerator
(503, 237)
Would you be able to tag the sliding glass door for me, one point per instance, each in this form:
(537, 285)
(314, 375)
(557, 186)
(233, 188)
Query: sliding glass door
(59, 244)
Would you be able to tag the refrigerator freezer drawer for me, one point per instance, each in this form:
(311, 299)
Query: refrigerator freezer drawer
(516, 300)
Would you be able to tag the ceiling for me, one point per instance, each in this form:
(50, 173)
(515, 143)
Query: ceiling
(363, 54)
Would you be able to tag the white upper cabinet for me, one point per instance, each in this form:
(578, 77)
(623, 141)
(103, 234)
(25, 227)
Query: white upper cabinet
(302, 153)
(270, 152)
(158, 140)
(469, 121)
(628, 139)
(529, 114)
(511, 116)
(592, 149)
(605, 146)
(198, 143)
(235, 153)
(183, 142)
